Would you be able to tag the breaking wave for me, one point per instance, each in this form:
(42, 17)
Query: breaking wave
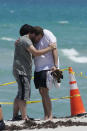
(74, 55)
(63, 22)
(7, 39)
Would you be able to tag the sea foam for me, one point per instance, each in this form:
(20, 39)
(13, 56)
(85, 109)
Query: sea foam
(63, 22)
(7, 39)
(74, 55)
(12, 11)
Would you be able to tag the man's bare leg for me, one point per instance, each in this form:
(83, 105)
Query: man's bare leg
(15, 108)
(46, 103)
(22, 107)
(45, 110)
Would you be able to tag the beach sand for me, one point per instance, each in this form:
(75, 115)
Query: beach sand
(61, 124)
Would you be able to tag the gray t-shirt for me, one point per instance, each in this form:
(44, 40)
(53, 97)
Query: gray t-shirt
(22, 58)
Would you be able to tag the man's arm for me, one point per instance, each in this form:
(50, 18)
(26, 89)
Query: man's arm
(52, 39)
(55, 56)
(36, 52)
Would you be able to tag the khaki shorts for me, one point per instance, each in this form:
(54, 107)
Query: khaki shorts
(24, 89)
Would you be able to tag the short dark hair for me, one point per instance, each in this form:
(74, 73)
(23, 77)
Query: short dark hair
(38, 30)
(25, 29)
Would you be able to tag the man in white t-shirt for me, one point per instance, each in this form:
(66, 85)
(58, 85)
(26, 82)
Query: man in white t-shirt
(43, 63)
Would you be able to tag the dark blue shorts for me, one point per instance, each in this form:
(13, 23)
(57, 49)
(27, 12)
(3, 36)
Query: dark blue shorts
(40, 79)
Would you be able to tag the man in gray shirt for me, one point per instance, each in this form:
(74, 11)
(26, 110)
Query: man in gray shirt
(22, 67)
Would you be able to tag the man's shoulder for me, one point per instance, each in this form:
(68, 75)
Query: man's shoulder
(25, 39)
(49, 35)
(48, 32)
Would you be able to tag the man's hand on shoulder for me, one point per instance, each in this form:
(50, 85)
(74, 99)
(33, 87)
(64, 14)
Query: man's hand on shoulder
(53, 46)
(17, 41)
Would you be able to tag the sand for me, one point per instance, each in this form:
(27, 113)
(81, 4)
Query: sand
(57, 124)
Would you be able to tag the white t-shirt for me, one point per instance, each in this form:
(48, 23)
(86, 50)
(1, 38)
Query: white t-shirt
(46, 61)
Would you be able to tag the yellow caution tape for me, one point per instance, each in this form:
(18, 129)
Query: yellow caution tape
(63, 69)
(80, 75)
(5, 84)
(8, 83)
(72, 72)
(74, 95)
(6, 103)
(32, 78)
(38, 101)
(77, 74)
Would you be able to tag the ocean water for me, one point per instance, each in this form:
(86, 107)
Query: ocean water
(67, 19)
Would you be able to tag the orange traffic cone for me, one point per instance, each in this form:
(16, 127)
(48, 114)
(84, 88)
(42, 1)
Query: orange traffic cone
(77, 107)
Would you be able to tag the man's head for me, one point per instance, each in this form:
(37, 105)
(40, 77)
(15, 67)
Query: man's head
(35, 33)
(39, 33)
(28, 30)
